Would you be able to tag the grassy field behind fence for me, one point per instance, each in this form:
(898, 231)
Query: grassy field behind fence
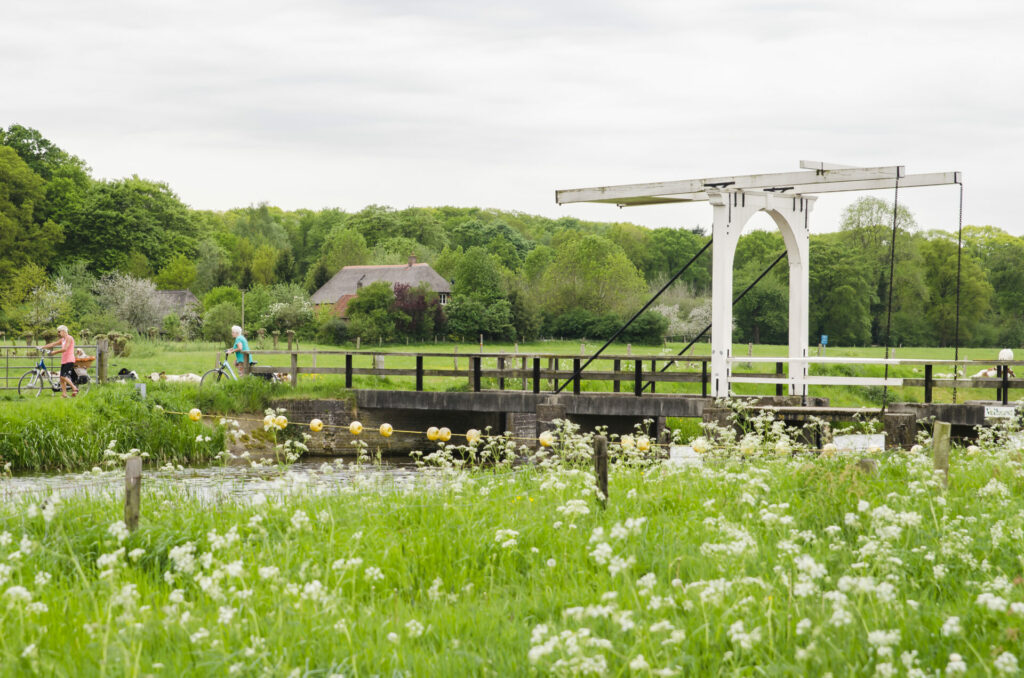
(770, 566)
(198, 357)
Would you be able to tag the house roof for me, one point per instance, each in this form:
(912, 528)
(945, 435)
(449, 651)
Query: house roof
(346, 281)
(176, 299)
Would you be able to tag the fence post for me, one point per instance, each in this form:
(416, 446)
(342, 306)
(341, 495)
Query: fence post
(928, 382)
(295, 369)
(132, 492)
(1006, 384)
(348, 370)
(553, 366)
(654, 373)
(455, 358)
(101, 360)
(501, 371)
(616, 365)
(576, 376)
(523, 368)
(704, 378)
(536, 375)
(419, 373)
(638, 377)
(778, 374)
(940, 449)
(601, 468)
(476, 373)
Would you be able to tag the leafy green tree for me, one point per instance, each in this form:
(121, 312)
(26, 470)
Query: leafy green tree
(841, 294)
(344, 247)
(212, 266)
(24, 235)
(137, 265)
(220, 295)
(469, 317)
(591, 273)
(940, 255)
(264, 263)
(178, 274)
(479, 276)
(447, 263)
(371, 313)
(218, 320)
(131, 215)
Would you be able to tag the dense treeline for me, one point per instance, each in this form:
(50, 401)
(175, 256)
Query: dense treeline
(91, 253)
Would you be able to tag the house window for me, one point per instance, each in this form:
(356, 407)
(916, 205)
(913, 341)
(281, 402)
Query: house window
(444, 298)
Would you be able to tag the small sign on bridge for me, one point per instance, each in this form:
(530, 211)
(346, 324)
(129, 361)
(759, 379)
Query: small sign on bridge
(997, 412)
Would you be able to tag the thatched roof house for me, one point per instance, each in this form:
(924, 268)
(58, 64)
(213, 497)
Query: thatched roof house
(347, 282)
(176, 301)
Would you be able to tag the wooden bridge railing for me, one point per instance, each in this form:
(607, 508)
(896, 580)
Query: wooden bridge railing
(639, 373)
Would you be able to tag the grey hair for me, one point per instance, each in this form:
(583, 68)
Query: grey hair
(235, 329)
(62, 327)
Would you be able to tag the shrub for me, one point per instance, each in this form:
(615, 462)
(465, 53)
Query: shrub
(218, 320)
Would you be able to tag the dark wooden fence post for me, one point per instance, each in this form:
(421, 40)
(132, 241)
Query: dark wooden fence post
(704, 378)
(536, 375)
(778, 375)
(476, 373)
(638, 377)
(1006, 384)
(616, 365)
(348, 370)
(576, 376)
(132, 492)
(419, 373)
(654, 373)
(928, 383)
(601, 468)
(295, 369)
(501, 373)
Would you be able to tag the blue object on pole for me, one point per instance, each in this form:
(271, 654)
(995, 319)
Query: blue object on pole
(824, 340)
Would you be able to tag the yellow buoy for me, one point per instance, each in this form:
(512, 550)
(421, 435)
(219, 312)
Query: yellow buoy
(643, 443)
(472, 435)
(268, 421)
(445, 434)
(355, 428)
(316, 426)
(281, 421)
(546, 439)
(195, 414)
(432, 433)
(386, 430)
(627, 442)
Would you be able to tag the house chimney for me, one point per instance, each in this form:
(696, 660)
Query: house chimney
(412, 259)
(359, 283)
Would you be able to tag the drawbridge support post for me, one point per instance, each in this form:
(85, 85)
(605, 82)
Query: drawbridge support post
(791, 213)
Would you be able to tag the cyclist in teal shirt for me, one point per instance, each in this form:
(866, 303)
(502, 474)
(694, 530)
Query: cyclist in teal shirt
(241, 359)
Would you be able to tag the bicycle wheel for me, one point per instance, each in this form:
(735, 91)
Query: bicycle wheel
(30, 384)
(211, 377)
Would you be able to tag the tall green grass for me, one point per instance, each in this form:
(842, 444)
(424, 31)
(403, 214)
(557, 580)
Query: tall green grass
(769, 566)
(57, 434)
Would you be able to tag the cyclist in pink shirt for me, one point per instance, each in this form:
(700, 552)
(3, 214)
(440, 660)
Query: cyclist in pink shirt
(67, 361)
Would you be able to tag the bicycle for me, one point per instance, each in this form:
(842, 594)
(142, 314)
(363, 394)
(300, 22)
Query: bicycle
(225, 371)
(32, 382)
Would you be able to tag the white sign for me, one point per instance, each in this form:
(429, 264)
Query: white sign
(993, 412)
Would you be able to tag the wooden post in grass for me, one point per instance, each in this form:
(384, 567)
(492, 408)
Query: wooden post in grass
(102, 357)
(940, 449)
(132, 492)
(601, 468)
(295, 369)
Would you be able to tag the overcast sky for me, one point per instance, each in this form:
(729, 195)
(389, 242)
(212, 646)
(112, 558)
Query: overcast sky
(319, 103)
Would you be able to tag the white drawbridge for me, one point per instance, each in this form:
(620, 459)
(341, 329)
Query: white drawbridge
(788, 198)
